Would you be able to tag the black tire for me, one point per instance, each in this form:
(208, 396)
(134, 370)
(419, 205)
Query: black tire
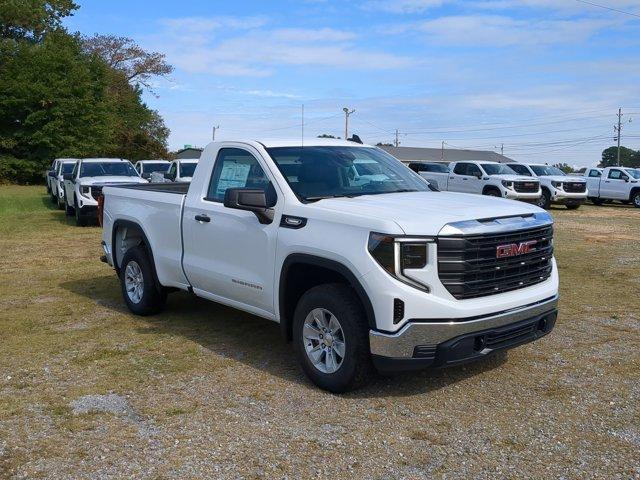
(54, 198)
(492, 192)
(545, 199)
(153, 297)
(596, 201)
(60, 204)
(635, 198)
(574, 206)
(81, 220)
(356, 368)
(69, 211)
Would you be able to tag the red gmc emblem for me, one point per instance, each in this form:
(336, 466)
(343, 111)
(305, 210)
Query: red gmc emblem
(515, 249)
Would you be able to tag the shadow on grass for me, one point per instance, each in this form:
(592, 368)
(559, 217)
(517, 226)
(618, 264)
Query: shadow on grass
(257, 342)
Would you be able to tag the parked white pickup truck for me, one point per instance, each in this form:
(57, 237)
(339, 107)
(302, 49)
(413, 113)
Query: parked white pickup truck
(52, 175)
(386, 274)
(181, 170)
(57, 185)
(84, 184)
(613, 183)
(486, 178)
(146, 168)
(557, 186)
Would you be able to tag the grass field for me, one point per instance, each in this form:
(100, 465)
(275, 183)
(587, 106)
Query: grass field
(89, 391)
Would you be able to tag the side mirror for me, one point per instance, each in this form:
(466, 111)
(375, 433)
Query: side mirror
(146, 176)
(51, 173)
(253, 200)
(478, 175)
(169, 176)
(67, 176)
(625, 178)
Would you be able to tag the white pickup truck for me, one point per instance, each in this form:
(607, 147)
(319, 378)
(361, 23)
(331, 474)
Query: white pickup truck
(181, 170)
(83, 185)
(613, 183)
(486, 178)
(386, 274)
(557, 186)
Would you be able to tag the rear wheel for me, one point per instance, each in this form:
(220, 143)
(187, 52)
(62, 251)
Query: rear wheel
(140, 291)
(67, 209)
(635, 199)
(331, 338)
(574, 206)
(81, 220)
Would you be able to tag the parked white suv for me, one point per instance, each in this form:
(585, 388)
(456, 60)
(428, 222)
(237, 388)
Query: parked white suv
(387, 273)
(613, 183)
(486, 178)
(84, 184)
(557, 186)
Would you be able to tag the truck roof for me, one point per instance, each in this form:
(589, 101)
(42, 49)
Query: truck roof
(309, 142)
(152, 161)
(103, 160)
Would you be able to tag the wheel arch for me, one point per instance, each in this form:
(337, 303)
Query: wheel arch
(293, 284)
(633, 191)
(135, 232)
(488, 188)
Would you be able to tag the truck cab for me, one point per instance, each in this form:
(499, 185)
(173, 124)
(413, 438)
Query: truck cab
(146, 168)
(557, 187)
(609, 184)
(181, 170)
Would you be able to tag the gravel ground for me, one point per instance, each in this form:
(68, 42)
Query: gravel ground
(89, 391)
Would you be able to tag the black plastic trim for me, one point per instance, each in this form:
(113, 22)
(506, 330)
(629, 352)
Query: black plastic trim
(304, 258)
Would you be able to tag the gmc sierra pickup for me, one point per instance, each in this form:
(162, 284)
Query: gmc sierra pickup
(486, 178)
(557, 186)
(613, 183)
(376, 271)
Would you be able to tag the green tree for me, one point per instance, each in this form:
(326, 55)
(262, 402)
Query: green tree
(628, 157)
(326, 135)
(31, 19)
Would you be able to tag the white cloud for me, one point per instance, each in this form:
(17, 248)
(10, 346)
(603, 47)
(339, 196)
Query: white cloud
(246, 47)
(500, 31)
(401, 6)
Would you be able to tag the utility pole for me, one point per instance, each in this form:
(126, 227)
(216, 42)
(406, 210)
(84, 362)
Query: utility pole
(397, 144)
(213, 136)
(347, 112)
(502, 149)
(618, 130)
(442, 152)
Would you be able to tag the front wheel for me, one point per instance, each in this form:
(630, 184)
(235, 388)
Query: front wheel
(140, 291)
(574, 206)
(492, 192)
(545, 200)
(331, 338)
(597, 201)
(635, 199)
(81, 220)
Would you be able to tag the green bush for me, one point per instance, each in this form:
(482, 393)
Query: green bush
(25, 172)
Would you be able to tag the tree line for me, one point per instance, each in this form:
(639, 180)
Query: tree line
(65, 95)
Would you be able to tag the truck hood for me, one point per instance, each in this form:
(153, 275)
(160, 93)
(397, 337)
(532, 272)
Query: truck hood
(560, 178)
(110, 179)
(425, 213)
(515, 178)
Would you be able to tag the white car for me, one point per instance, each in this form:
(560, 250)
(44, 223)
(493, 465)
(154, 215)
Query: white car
(52, 174)
(557, 186)
(486, 178)
(613, 183)
(181, 170)
(146, 168)
(57, 187)
(83, 185)
(385, 274)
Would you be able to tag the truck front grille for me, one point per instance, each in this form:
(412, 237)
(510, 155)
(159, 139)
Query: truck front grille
(575, 187)
(469, 267)
(96, 192)
(526, 187)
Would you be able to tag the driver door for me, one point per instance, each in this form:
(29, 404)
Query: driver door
(229, 256)
(614, 186)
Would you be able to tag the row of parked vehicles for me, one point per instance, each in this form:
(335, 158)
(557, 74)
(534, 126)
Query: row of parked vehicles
(543, 185)
(76, 184)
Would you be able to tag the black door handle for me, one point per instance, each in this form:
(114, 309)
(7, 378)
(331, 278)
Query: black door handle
(203, 218)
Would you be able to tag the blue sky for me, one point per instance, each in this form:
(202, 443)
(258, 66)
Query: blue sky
(543, 77)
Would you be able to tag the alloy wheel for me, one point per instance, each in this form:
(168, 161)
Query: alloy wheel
(324, 341)
(134, 281)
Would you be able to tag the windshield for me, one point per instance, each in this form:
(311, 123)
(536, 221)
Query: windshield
(435, 167)
(187, 169)
(315, 173)
(546, 171)
(634, 173)
(155, 167)
(497, 169)
(67, 168)
(102, 169)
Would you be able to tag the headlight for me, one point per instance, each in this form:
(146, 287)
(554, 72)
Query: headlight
(507, 184)
(557, 184)
(397, 254)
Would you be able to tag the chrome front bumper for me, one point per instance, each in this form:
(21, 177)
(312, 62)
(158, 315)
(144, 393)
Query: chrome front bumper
(429, 333)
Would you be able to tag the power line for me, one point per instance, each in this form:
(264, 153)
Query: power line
(608, 8)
